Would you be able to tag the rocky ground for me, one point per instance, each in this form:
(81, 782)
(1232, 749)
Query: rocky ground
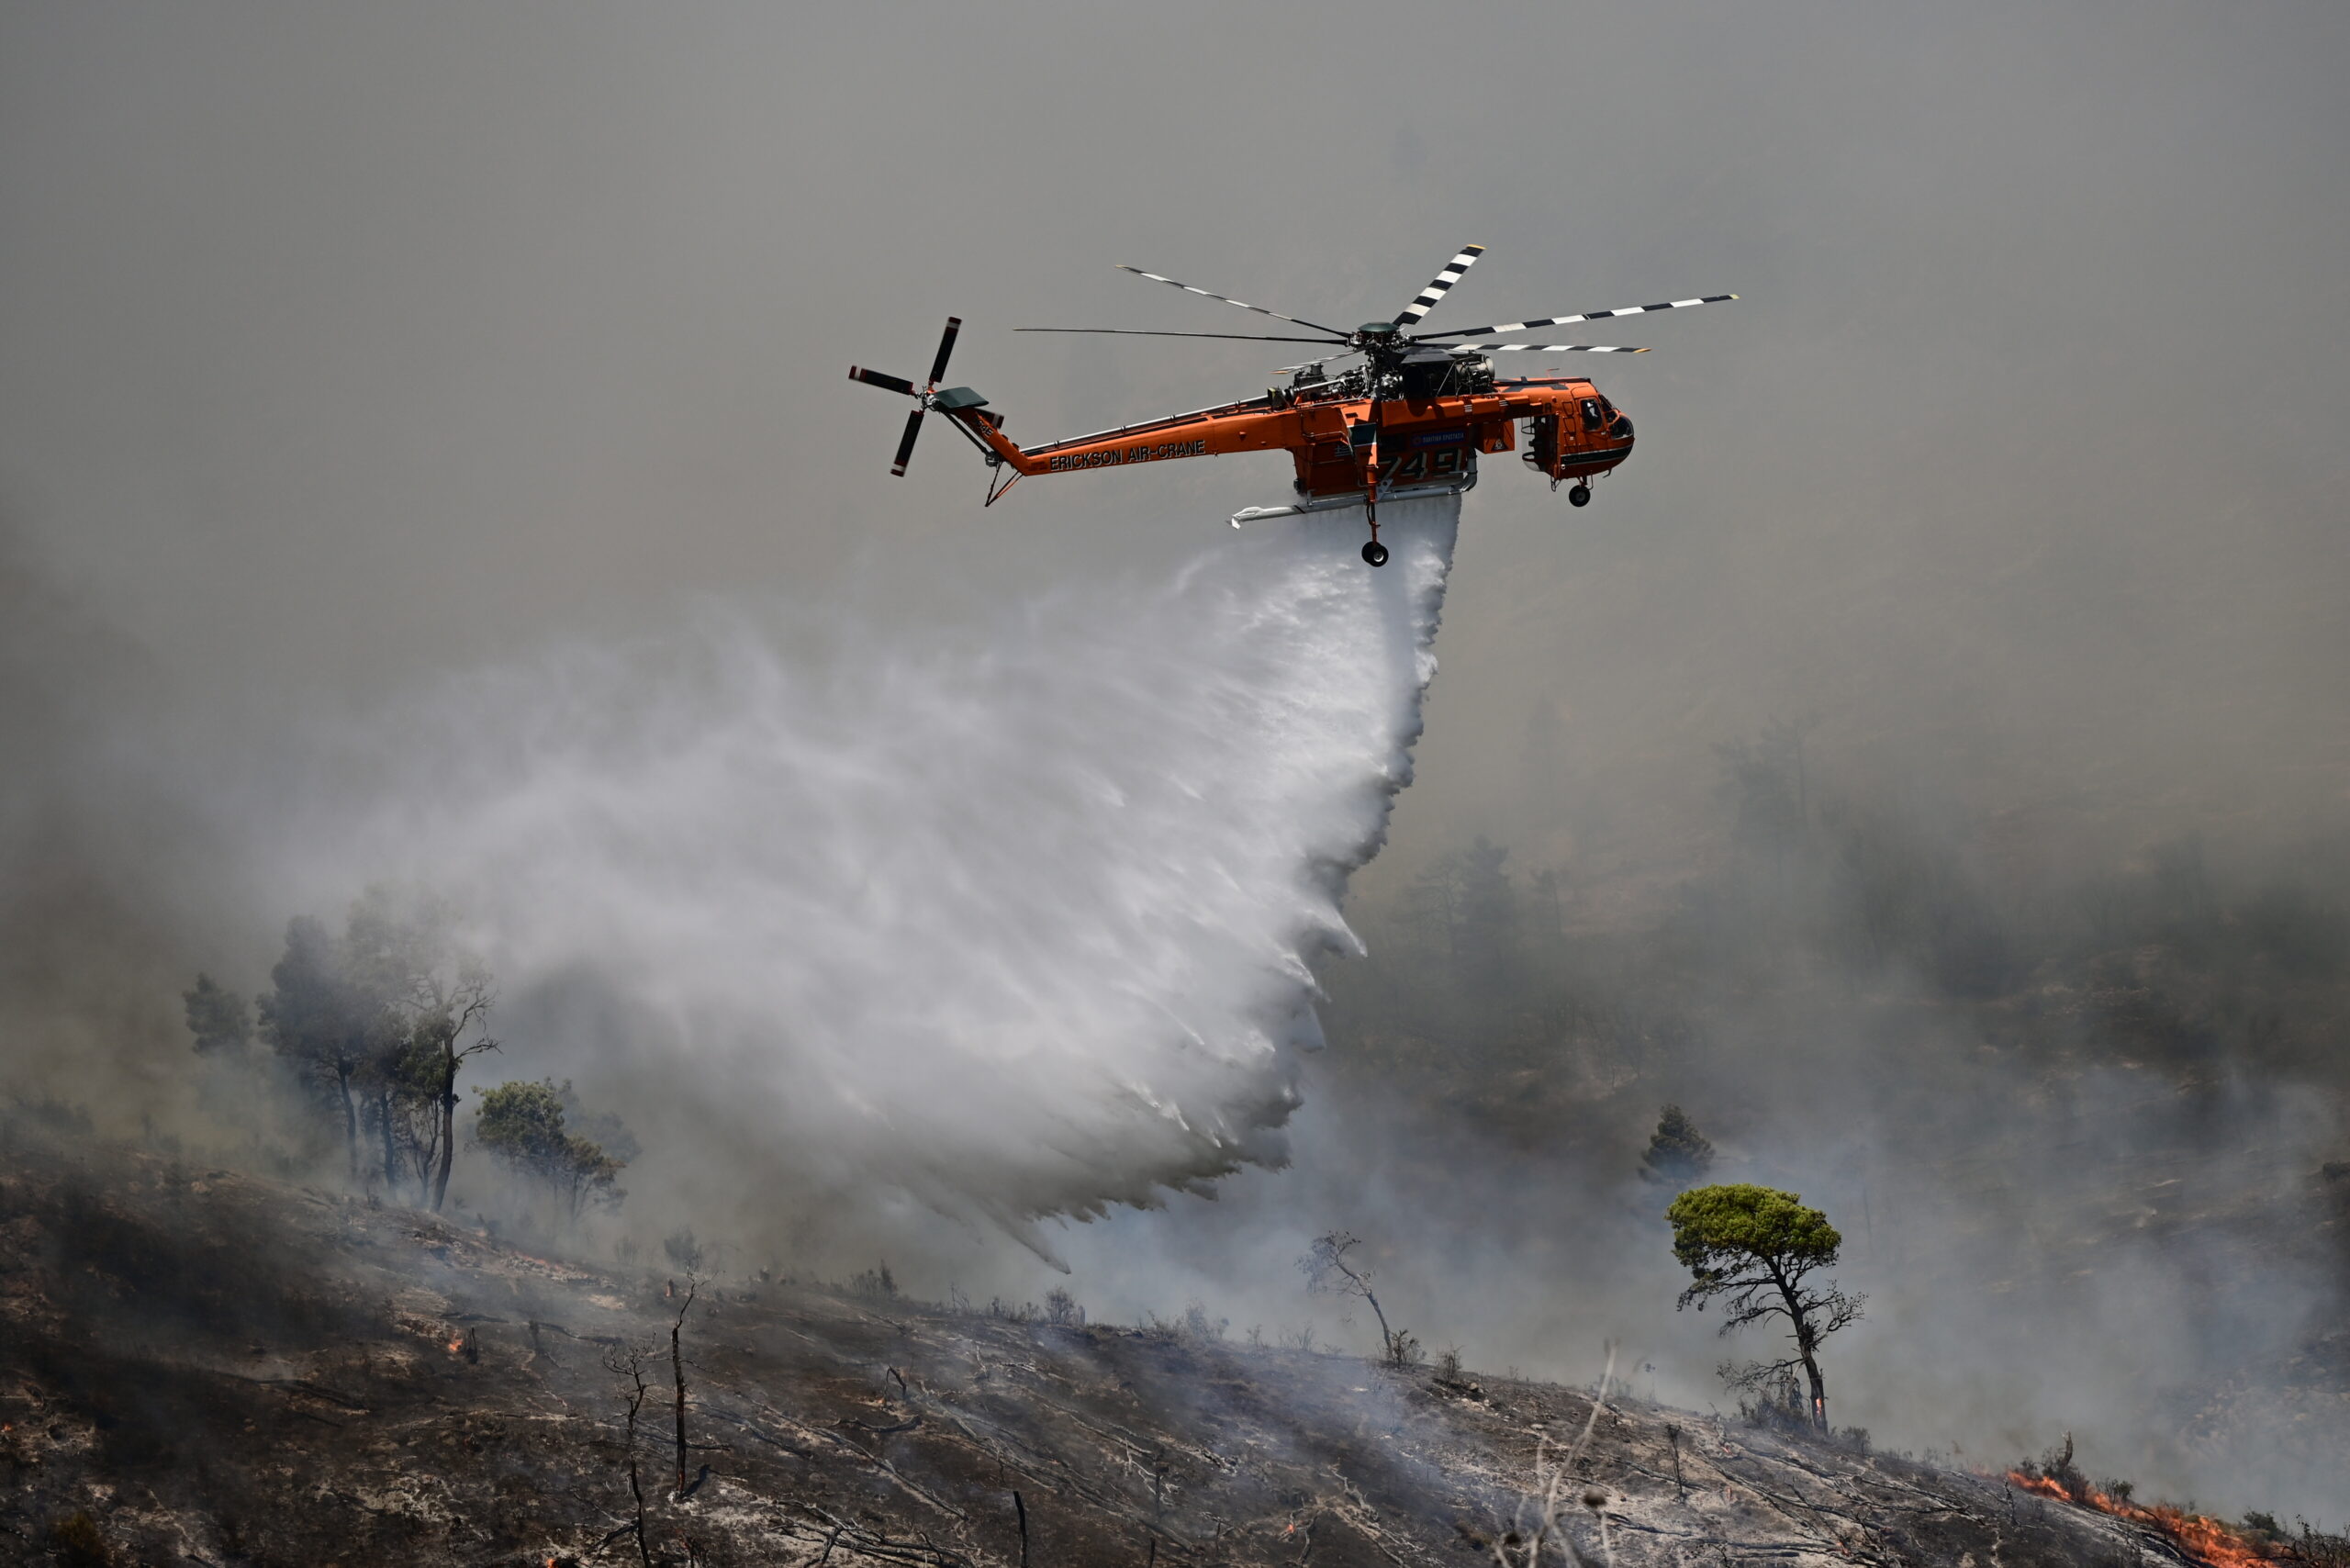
(202, 1367)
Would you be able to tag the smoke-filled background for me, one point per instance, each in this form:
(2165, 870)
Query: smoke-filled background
(424, 455)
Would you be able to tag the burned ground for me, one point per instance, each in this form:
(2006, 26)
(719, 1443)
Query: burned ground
(204, 1367)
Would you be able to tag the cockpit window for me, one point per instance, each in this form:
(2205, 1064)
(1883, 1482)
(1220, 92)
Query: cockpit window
(1591, 419)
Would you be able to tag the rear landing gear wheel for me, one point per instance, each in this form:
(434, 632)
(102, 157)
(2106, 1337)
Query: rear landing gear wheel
(1375, 554)
(1579, 495)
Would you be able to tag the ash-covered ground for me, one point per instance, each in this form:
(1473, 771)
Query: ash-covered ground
(207, 1367)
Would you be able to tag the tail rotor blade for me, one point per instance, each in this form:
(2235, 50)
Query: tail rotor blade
(885, 381)
(906, 442)
(945, 347)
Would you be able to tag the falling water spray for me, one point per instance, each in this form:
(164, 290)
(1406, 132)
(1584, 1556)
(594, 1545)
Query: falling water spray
(1003, 920)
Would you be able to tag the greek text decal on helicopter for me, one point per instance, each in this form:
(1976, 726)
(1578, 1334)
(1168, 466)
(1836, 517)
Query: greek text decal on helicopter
(1409, 420)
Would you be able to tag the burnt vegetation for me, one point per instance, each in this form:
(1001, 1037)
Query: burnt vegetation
(353, 1056)
(215, 1368)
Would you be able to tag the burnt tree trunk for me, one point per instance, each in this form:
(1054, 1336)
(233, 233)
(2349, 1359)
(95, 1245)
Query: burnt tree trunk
(1819, 1387)
(678, 1368)
(678, 1371)
(1807, 1342)
(1386, 1340)
(448, 1120)
(350, 1116)
(644, 1551)
(391, 1154)
(633, 1364)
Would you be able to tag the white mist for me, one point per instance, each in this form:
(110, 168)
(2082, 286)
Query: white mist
(1002, 920)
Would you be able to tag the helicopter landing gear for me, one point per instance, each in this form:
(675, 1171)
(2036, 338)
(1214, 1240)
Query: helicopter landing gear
(1375, 554)
(1579, 495)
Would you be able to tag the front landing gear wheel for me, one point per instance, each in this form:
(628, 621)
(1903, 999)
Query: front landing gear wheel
(1579, 495)
(1375, 554)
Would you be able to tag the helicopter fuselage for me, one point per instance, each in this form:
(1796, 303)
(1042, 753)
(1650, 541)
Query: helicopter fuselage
(1362, 434)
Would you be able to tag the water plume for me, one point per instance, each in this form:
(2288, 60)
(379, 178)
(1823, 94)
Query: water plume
(1006, 920)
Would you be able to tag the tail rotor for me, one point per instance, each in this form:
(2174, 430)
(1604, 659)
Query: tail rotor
(925, 396)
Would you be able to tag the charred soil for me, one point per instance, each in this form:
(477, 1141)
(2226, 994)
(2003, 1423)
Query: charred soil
(206, 1367)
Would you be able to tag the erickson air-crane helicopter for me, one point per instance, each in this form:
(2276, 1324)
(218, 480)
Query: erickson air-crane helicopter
(1408, 421)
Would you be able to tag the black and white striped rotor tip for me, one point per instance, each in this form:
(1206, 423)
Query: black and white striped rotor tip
(1541, 347)
(1438, 286)
(1538, 324)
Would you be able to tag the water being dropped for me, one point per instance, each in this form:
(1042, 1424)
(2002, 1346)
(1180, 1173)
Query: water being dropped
(1008, 920)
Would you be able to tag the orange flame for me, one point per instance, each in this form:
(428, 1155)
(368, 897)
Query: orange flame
(2207, 1540)
(455, 1346)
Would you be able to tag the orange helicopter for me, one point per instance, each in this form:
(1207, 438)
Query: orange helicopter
(1408, 421)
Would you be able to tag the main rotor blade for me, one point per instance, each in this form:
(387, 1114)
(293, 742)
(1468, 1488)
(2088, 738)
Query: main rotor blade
(1542, 348)
(885, 381)
(1411, 314)
(1229, 300)
(906, 442)
(1570, 320)
(945, 347)
(1131, 332)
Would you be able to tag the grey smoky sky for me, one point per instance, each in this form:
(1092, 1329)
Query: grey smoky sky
(342, 341)
(345, 347)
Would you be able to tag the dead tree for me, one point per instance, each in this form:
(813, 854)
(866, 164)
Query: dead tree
(452, 1010)
(677, 1370)
(1329, 1271)
(629, 1362)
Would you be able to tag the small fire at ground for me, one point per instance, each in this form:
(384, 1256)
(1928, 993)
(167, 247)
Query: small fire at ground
(2207, 1540)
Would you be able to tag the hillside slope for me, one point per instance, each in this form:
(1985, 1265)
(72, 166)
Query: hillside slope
(202, 1367)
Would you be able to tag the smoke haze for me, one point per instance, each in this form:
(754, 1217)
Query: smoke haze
(388, 396)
